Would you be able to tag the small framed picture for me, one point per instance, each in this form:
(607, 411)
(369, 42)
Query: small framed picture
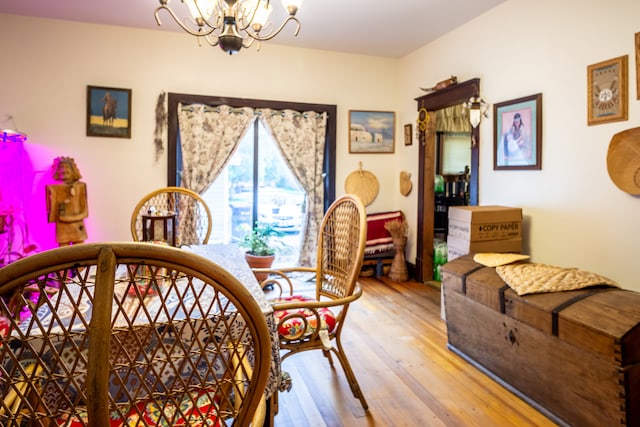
(108, 112)
(517, 133)
(371, 131)
(607, 97)
(408, 134)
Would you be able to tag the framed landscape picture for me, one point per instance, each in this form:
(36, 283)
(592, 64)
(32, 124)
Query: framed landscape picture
(517, 133)
(108, 112)
(371, 131)
(607, 90)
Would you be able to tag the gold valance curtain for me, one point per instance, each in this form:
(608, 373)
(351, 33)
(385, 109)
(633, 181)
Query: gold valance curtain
(452, 119)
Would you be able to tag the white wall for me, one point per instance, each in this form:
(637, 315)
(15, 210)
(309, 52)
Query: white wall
(48, 64)
(574, 215)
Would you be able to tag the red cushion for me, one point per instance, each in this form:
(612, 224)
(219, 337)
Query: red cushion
(204, 415)
(376, 233)
(293, 328)
(5, 324)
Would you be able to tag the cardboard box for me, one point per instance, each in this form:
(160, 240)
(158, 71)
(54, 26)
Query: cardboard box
(485, 231)
(480, 223)
(457, 246)
(453, 253)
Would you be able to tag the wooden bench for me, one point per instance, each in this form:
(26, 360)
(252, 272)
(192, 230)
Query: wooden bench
(574, 355)
(379, 250)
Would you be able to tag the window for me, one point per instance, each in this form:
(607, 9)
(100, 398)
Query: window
(274, 206)
(262, 189)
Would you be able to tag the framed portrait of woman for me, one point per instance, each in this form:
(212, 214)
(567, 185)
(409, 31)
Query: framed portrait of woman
(517, 128)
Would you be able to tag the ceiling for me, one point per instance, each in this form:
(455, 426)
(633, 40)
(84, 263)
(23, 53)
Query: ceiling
(370, 27)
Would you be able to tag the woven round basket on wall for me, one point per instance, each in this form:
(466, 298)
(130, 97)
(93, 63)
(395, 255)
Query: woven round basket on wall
(623, 160)
(363, 184)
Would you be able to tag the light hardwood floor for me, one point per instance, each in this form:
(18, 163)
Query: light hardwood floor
(397, 345)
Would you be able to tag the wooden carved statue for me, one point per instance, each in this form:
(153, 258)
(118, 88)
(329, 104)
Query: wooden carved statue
(67, 202)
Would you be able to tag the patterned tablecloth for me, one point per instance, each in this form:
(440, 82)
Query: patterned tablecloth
(231, 258)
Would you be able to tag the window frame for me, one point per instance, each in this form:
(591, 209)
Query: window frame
(328, 168)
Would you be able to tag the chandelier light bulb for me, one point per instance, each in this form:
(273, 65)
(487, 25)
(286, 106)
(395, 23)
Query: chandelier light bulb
(257, 12)
(292, 6)
(200, 9)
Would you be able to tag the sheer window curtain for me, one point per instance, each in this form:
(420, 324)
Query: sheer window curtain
(301, 139)
(208, 136)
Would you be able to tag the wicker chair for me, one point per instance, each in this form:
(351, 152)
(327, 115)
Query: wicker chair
(193, 216)
(130, 333)
(341, 244)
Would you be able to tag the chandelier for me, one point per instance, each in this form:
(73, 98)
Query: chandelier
(232, 24)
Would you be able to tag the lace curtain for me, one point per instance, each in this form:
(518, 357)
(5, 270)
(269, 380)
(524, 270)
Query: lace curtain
(301, 139)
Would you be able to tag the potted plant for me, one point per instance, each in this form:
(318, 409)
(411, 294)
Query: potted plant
(260, 250)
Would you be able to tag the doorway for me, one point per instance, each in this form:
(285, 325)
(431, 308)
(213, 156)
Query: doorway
(430, 103)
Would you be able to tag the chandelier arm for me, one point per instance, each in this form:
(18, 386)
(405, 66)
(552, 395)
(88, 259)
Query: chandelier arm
(215, 26)
(243, 23)
(247, 42)
(211, 40)
(276, 32)
(240, 25)
(199, 33)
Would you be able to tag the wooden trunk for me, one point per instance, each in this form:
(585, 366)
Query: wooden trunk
(574, 355)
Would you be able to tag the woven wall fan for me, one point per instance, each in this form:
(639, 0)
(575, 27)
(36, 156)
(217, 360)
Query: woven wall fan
(362, 183)
(623, 160)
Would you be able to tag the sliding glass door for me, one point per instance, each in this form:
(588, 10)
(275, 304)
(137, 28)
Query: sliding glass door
(270, 188)
(257, 186)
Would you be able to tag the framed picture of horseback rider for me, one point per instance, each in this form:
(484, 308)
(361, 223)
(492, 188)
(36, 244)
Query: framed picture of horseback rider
(108, 112)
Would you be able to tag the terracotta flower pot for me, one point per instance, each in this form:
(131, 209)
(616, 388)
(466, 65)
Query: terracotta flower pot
(257, 261)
